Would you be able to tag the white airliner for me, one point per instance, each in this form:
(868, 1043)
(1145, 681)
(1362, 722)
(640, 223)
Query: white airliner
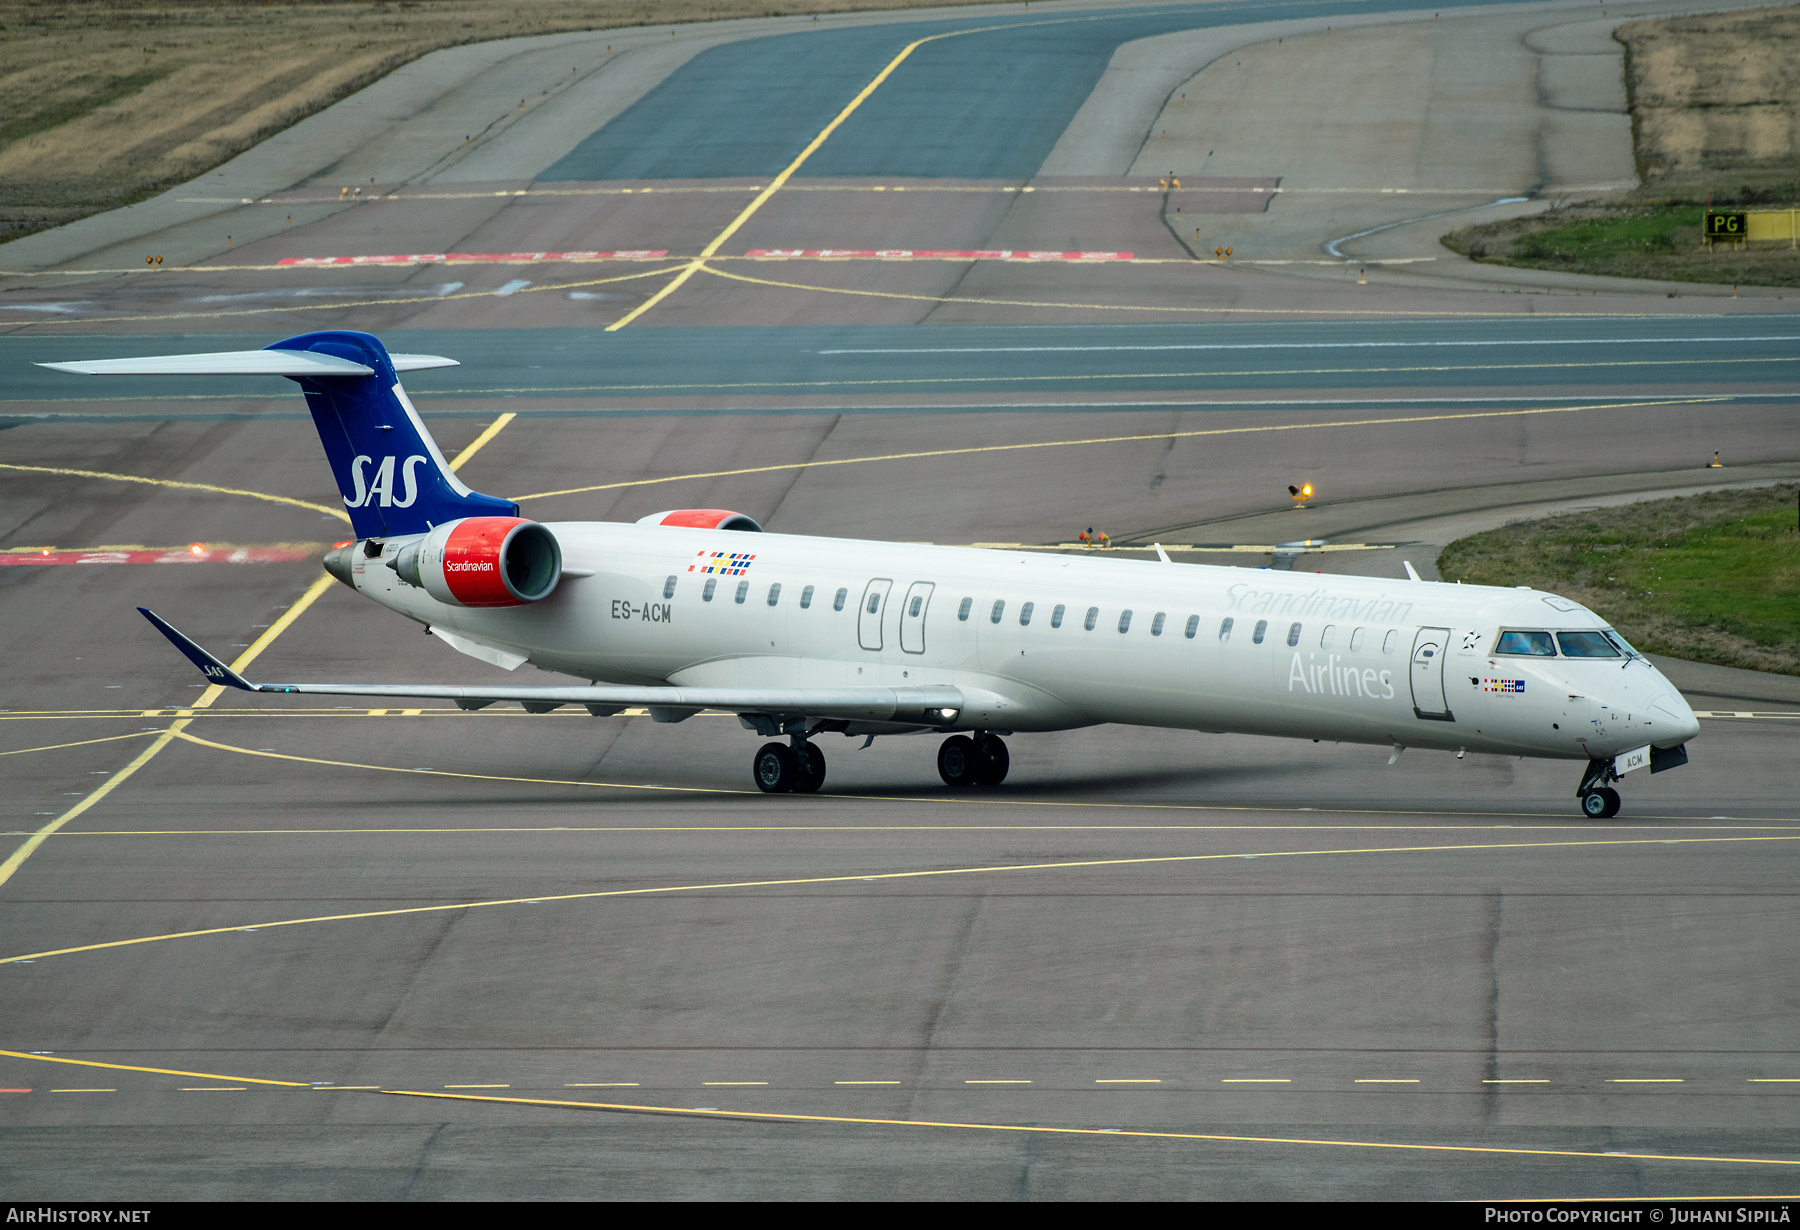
(801, 636)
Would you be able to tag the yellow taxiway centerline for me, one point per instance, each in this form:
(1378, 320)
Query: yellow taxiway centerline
(934, 873)
(779, 1117)
(1091, 441)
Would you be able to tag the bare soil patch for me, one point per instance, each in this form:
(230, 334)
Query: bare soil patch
(1715, 97)
(1715, 119)
(107, 102)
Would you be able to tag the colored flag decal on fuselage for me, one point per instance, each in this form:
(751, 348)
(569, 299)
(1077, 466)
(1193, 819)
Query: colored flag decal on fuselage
(1502, 685)
(722, 563)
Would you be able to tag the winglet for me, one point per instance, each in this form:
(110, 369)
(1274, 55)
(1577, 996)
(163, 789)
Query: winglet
(214, 670)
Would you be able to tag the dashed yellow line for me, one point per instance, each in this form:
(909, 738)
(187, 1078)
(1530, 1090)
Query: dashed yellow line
(779, 1117)
(1092, 441)
(776, 1117)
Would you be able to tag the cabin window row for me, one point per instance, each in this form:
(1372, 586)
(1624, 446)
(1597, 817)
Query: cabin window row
(1327, 635)
(742, 593)
(1575, 644)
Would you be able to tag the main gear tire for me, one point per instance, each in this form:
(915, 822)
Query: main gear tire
(810, 769)
(776, 768)
(991, 760)
(957, 762)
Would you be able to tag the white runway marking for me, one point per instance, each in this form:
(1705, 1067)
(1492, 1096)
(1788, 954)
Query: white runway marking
(1546, 341)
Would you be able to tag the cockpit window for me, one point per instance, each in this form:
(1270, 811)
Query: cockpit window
(1531, 644)
(1586, 645)
(1622, 643)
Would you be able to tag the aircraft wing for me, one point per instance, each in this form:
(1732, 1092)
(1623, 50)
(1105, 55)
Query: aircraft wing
(932, 705)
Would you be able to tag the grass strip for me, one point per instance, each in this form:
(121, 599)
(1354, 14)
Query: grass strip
(1709, 578)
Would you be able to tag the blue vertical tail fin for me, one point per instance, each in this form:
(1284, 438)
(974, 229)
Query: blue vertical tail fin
(393, 478)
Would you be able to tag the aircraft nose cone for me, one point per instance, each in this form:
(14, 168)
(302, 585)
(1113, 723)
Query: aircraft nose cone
(1673, 707)
(337, 563)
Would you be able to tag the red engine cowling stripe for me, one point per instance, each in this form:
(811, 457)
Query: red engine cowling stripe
(472, 561)
(699, 518)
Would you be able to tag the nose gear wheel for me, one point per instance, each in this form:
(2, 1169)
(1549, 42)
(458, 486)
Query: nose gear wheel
(1601, 803)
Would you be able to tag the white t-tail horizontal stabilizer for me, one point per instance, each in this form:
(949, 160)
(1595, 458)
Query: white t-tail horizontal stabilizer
(246, 363)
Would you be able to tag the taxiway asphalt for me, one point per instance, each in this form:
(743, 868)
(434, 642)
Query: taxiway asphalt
(274, 949)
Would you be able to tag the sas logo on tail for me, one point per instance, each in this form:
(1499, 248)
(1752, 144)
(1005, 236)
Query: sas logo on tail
(383, 484)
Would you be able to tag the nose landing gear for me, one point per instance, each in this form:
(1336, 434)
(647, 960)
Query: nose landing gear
(1600, 803)
(981, 761)
(1598, 800)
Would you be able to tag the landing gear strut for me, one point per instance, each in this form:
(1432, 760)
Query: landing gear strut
(981, 761)
(1598, 800)
(779, 768)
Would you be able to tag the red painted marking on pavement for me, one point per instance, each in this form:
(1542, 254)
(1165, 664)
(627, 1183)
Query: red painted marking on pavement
(15, 1091)
(172, 555)
(476, 258)
(888, 254)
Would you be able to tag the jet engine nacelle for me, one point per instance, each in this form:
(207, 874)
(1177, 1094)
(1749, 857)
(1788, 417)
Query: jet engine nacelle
(703, 519)
(483, 561)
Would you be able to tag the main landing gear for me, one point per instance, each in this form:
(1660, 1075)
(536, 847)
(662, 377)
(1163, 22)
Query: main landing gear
(981, 761)
(779, 768)
(1599, 801)
(799, 767)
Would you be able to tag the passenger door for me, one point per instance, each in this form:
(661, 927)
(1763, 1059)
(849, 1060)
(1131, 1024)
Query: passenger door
(868, 615)
(912, 616)
(1428, 674)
